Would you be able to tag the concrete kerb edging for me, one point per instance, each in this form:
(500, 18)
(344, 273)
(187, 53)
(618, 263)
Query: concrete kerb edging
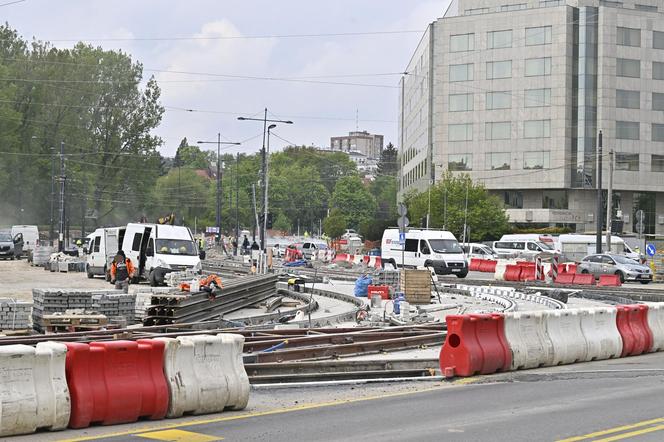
(346, 382)
(510, 292)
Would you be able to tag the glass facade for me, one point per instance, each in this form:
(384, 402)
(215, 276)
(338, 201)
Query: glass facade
(537, 97)
(498, 69)
(627, 130)
(628, 99)
(498, 130)
(628, 37)
(538, 36)
(627, 67)
(461, 72)
(537, 129)
(460, 132)
(460, 102)
(460, 162)
(498, 100)
(627, 161)
(657, 101)
(536, 160)
(657, 132)
(499, 39)
(555, 199)
(538, 66)
(513, 199)
(657, 163)
(498, 161)
(462, 42)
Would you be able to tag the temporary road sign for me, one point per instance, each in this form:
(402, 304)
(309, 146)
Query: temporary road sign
(651, 250)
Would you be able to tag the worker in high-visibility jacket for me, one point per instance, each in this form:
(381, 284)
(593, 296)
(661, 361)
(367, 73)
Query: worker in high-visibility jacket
(122, 270)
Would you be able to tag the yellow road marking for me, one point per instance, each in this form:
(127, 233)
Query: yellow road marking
(465, 381)
(179, 436)
(248, 415)
(614, 430)
(632, 434)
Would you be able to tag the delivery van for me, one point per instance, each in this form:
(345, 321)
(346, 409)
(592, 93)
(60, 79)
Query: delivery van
(101, 247)
(576, 247)
(30, 236)
(478, 250)
(438, 249)
(158, 249)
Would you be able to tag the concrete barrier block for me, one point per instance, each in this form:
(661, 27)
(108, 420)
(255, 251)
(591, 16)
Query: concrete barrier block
(564, 330)
(656, 324)
(233, 366)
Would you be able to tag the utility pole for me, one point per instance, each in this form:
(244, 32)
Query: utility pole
(445, 209)
(598, 212)
(253, 196)
(609, 202)
(237, 202)
(465, 216)
(62, 198)
(51, 232)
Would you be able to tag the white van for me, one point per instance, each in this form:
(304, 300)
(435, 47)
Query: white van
(102, 246)
(30, 236)
(546, 239)
(478, 250)
(522, 248)
(576, 247)
(438, 249)
(158, 249)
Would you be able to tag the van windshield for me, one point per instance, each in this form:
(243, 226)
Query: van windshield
(176, 247)
(5, 237)
(544, 246)
(445, 246)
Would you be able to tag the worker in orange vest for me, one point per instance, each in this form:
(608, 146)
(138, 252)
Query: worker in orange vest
(122, 270)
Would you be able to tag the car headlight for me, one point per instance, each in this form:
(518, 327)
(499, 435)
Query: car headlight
(163, 264)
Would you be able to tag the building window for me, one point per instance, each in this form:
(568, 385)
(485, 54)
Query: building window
(649, 8)
(537, 97)
(498, 100)
(627, 130)
(628, 37)
(657, 70)
(538, 36)
(461, 72)
(476, 11)
(518, 6)
(461, 102)
(538, 66)
(555, 199)
(657, 163)
(536, 160)
(498, 131)
(462, 42)
(460, 162)
(460, 132)
(628, 99)
(537, 129)
(513, 199)
(657, 132)
(627, 161)
(626, 67)
(657, 101)
(498, 161)
(499, 39)
(658, 40)
(644, 201)
(550, 3)
(498, 69)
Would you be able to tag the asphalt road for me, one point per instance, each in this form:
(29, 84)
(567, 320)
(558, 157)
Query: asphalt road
(608, 400)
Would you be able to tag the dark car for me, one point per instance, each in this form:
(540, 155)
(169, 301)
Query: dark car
(11, 247)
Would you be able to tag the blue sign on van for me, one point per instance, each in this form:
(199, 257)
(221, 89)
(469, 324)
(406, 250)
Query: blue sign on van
(402, 237)
(651, 250)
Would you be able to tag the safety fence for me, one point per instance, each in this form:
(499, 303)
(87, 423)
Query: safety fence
(366, 260)
(54, 385)
(485, 344)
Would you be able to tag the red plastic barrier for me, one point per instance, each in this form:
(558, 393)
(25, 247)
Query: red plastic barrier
(341, 257)
(379, 262)
(475, 264)
(609, 281)
(382, 290)
(365, 259)
(584, 279)
(565, 278)
(632, 322)
(528, 274)
(525, 264)
(488, 266)
(570, 268)
(512, 272)
(475, 344)
(116, 382)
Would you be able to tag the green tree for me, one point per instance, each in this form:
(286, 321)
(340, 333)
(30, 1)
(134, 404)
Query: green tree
(353, 200)
(335, 225)
(487, 219)
(282, 223)
(193, 157)
(186, 194)
(388, 164)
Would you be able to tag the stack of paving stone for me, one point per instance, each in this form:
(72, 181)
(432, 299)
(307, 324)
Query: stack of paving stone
(173, 279)
(111, 303)
(14, 314)
(144, 299)
(388, 277)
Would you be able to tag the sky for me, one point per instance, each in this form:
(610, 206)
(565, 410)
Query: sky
(201, 91)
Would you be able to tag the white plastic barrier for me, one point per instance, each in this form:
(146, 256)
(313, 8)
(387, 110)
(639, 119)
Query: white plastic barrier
(33, 388)
(203, 373)
(564, 330)
(656, 324)
(528, 340)
(233, 366)
(601, 333)
(358, 259)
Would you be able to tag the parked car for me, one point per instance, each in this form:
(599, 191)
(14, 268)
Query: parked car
(311, 248)
(477, 250)
(608, 264)
(11, 246)
(521, 248)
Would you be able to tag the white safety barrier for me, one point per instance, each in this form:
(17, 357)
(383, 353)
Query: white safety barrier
(33, 388)
(358, 259)
(233, 366)
(656, 323)
(530, 344)
(601, 333)
(203, 375)
(564, 330)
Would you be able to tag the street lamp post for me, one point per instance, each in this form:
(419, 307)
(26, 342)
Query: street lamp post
(264, 158)
(219, 143)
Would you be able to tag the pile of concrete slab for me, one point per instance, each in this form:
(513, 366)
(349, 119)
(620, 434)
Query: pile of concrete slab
(111, 303)
(14, 314)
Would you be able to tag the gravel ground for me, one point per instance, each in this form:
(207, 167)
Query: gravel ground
(18, 278)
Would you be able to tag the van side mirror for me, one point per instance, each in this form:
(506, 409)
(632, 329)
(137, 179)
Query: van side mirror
(201, 254)
(149, 252)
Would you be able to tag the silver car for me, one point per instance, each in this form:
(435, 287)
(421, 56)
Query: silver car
(609, 264)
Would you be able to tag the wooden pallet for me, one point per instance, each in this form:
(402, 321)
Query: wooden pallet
(16, 332)
(416, 286)
(73, 323)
